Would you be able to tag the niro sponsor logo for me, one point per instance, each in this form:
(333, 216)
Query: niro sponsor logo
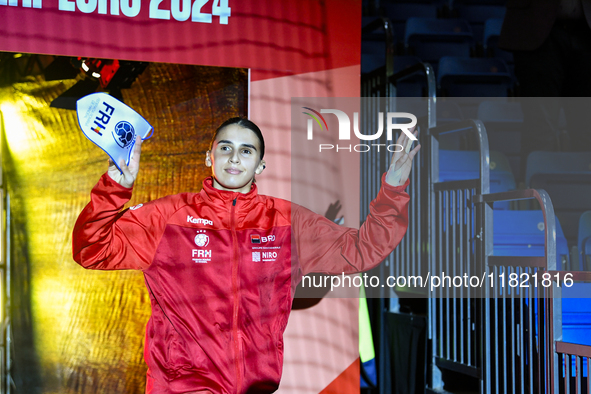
(264, 256)
(191, 219)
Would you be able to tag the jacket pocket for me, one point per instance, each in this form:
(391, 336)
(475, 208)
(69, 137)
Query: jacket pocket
(177, 358)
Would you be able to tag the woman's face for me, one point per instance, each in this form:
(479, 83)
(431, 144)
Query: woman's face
(235, 159)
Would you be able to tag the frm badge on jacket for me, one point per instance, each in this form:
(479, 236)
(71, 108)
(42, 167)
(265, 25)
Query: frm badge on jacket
(111, 125)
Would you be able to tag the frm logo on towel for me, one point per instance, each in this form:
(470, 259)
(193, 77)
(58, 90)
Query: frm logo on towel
(123, 132)
(103, 118)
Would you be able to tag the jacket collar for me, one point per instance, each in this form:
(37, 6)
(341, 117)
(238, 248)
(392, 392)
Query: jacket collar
(213, 194)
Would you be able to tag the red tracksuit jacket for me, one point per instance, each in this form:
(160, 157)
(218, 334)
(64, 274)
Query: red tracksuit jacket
(221, 268)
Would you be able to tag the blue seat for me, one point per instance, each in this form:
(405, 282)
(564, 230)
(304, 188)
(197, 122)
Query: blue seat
(430, 39)
(500, 111)
(455, 3)
(576, 316)
(566, 176)
(576, 163)
(490, 41)
(503, 122)
(584, 242)
(447, 111)
(461, 165)
(399, 12)
(413, 85)
(478, 14)
(473, 77)
(521, 233)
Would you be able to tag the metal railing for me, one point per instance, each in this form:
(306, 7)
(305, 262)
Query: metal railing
(564, 378)
(495, 334)
(518, 339)
(509, 339)
(378, 92)
(506, 338)
(458, 233)
(378, 95)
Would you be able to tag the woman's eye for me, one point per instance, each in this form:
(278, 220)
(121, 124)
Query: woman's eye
(246, 152)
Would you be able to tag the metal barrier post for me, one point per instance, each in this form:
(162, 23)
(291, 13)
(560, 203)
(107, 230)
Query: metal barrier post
(458, 316)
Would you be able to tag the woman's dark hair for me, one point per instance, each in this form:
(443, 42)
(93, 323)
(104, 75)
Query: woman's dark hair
(245, 123)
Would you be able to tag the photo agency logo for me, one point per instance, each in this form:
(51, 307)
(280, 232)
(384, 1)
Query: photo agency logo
(344, 131)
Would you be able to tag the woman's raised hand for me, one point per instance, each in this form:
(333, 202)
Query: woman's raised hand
(127, 177)
(401, 162)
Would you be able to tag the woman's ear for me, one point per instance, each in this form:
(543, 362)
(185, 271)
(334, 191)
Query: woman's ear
(208, 159)
(261, 167)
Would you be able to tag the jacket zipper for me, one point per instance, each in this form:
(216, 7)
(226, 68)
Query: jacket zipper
(235, 329)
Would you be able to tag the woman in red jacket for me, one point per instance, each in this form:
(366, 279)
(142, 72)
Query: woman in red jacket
(221, 265)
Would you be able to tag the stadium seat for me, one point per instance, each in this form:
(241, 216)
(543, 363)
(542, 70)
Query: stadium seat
(477, 15)
(430, 39)
(412, 86)
(473, 77)
(585, 241)
(455, 3)
(503, 122)
(446, 111)
(492, 31)
(400, 12)
(521, 233)
(566, 176)
(578, 163)
(576, 316)
(461, 165)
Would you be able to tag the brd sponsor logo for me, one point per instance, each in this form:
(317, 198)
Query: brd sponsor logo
(257, 239)
(345, 130)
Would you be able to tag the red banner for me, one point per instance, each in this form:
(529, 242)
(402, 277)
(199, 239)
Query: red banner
(273, 38)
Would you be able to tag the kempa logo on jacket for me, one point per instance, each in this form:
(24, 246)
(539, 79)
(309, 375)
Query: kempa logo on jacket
(193, 220)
